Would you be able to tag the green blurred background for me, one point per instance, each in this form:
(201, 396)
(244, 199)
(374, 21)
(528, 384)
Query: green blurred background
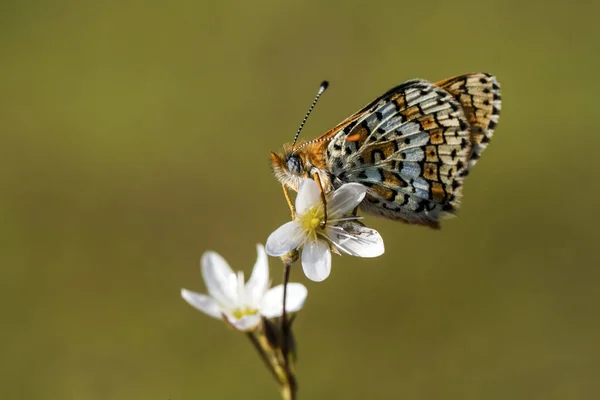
(135, 135)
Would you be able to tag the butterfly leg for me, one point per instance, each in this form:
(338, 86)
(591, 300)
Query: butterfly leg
(289, 201)
(317, 179)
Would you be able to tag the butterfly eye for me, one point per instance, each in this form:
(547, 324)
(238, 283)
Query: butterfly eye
(294, 165)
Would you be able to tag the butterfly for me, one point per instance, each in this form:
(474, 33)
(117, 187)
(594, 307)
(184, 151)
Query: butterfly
(412, 147)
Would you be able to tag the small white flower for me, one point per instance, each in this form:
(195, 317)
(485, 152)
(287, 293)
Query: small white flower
(341, 231)
(242, 304)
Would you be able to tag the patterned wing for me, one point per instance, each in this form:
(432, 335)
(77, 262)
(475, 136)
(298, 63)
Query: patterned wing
(411, 148)
(350, 122)
(479, 96)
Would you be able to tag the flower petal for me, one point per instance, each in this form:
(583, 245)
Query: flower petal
(246, 323)
(202, 302)
(286, 238)
(357, 240)
(345, 199)
(308, 195)
(220, 280)
(271, 304)
(259, 280)
(316, 260)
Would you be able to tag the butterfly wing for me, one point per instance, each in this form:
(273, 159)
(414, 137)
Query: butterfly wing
(350, 122)
(479, 96)
(411, 147)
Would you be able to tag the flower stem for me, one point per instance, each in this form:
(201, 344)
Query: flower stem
(264, 357)
(287, 393)
(284, 325)
(289, 387)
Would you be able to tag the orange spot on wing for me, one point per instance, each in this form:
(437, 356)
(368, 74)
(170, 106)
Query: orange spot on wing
(410, 113)
(437, 136)
(399, 100)
(353, 138)
(428, 122)
(384, 192)
(437, 192)
(392, 179)
(430, 171)
(431, 154)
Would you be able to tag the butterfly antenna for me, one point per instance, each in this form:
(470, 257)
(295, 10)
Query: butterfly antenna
(322, 88)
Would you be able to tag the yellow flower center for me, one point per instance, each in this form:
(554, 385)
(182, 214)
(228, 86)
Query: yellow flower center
(312, 220)
(314, 223)
(244, 311)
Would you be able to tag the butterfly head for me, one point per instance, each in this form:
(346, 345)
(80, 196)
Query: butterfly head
(297, 160)
(289, 167)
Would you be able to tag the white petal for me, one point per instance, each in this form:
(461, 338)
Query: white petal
(240, 297)
(246, 323)
(316, 260)
(286, 238)
(259, 280)
(356, 240)
(271, 304)
(202, 302)
(308, 195)
(345, 199)
(220, 280)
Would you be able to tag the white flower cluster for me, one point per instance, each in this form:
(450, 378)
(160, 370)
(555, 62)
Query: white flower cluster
(316, 231)
(321, 225)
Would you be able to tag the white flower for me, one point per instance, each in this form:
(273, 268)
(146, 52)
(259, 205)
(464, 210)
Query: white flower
(341, 231)
(242, 304)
